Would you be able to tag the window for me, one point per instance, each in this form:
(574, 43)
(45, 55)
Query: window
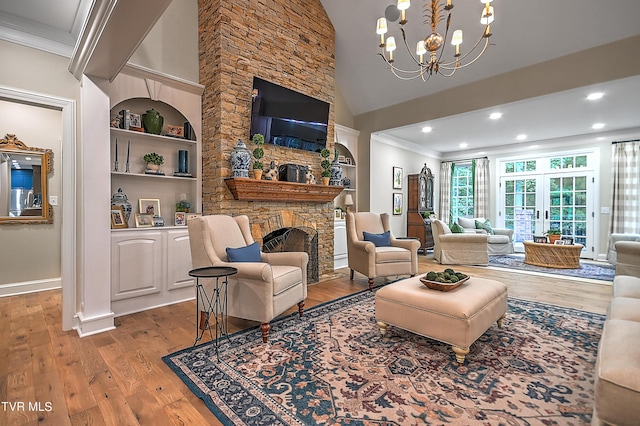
(462, 191)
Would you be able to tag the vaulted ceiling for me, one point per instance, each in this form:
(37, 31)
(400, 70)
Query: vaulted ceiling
(525, 33)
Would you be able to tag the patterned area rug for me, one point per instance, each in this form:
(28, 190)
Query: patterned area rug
(333, 368)
(589, 270)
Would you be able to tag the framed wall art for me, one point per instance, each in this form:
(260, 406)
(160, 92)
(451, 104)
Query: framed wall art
(397, 178)
(397, 203)
(180, 219)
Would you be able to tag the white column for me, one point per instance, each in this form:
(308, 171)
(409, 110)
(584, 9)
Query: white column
(95, 314)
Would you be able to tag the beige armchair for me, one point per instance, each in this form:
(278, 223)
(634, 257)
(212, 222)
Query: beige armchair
(399, 258)
(500, 242)
(628, 258)
(467, 248)
(260, 291)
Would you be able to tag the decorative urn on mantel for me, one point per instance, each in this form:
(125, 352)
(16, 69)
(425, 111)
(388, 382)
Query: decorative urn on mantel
(336, 173)
(240, 160)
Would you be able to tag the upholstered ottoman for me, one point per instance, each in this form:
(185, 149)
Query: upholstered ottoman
(457, 317)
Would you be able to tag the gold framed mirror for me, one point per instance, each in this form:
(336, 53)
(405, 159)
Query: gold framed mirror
(23, 182)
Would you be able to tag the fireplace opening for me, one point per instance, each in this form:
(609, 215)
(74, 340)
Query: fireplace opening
(298, 238)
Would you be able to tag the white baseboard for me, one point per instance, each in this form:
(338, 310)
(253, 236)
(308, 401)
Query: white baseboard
(13, 289)
(94, 325)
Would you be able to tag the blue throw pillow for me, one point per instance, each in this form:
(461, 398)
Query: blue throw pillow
(380, 240)
(250, 253)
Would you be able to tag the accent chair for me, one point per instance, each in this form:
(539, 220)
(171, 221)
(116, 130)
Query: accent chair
(464, 248)
(612, 255)
(261, 290)
(369, 255)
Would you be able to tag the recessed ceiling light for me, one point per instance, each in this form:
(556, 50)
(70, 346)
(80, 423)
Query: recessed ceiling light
(595, 95)
(464, 145)
(534, 146)
(495, 115)
(521, 137)
(426, 129)
(597, 126)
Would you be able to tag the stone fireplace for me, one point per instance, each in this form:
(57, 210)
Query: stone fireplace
(287, 42)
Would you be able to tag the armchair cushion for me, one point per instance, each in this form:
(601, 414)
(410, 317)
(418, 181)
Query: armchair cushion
(250, 253)
(379, 240)
(485, 226)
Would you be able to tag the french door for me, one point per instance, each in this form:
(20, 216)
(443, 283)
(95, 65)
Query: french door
(535, 198)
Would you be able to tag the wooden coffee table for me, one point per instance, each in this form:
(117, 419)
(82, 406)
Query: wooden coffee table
(552, 255)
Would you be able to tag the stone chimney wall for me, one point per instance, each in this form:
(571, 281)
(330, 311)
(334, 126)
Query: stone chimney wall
(287, 42)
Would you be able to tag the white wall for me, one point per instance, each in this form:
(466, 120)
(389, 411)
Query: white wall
(384, 156)
(25, 246)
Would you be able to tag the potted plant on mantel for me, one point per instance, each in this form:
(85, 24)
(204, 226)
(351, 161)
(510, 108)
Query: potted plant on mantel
(553, 235)
(258, 153)
(326, 166)
(153, 161)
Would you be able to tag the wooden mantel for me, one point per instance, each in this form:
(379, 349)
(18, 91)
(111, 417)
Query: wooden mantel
(268, 190)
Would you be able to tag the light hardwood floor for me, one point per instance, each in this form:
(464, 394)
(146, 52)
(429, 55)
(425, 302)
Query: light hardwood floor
(118, 377)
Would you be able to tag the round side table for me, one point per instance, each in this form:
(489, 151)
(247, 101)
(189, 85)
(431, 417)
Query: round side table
(214, 303)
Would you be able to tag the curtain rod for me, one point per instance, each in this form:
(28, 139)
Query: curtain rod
(465, 159)
(633, 140)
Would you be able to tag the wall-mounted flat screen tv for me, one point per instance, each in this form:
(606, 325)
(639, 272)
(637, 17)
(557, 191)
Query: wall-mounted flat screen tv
(288, 118)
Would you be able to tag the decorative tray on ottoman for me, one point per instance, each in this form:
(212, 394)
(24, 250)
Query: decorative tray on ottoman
(444, 286)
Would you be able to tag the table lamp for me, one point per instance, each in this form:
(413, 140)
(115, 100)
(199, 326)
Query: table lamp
(348, 202)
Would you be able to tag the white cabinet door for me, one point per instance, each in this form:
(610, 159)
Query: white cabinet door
(136, 264)
(339, 244)
(179, 259)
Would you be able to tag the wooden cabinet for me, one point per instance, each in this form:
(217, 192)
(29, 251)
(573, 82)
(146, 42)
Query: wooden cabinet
(417, 225)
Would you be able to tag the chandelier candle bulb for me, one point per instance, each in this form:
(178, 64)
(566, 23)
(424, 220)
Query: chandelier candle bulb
(456, 40)
(381, 29)
(391, 46)
(402, 6)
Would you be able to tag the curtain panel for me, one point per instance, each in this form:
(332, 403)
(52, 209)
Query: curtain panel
(625, 207)
(481, 188)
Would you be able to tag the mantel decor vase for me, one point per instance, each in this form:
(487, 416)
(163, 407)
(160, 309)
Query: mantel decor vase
(120, 199)
(240, 160)
(152, 121)
(336, 173)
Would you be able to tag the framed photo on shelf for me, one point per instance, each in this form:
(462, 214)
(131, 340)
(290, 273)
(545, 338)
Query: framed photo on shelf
(135, 122)
(559, 242)
(337, 214)
(149, 206)
(568, 241)
(397, 203)
(397, 178)
(144, 220)
(539, 239)
(342, 159)
(118, 219)
(180, 219)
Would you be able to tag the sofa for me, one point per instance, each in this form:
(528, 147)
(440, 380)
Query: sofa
(612, 254)
(458, 249)
(500, 242)
(617, 383)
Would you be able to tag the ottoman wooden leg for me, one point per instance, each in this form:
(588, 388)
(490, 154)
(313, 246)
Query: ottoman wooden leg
(500, 320)
(370, 284)
(383, 328)
(460, 354)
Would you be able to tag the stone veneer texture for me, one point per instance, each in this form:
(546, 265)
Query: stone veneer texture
(287, 42)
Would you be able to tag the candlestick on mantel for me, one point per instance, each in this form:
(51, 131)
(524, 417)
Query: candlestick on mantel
(115, 163)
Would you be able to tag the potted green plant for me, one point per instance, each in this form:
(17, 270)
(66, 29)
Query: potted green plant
(553, 235)
(326, 166)
(153, 161)
(258, 153)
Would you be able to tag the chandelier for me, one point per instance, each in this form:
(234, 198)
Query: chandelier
(429, 57)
